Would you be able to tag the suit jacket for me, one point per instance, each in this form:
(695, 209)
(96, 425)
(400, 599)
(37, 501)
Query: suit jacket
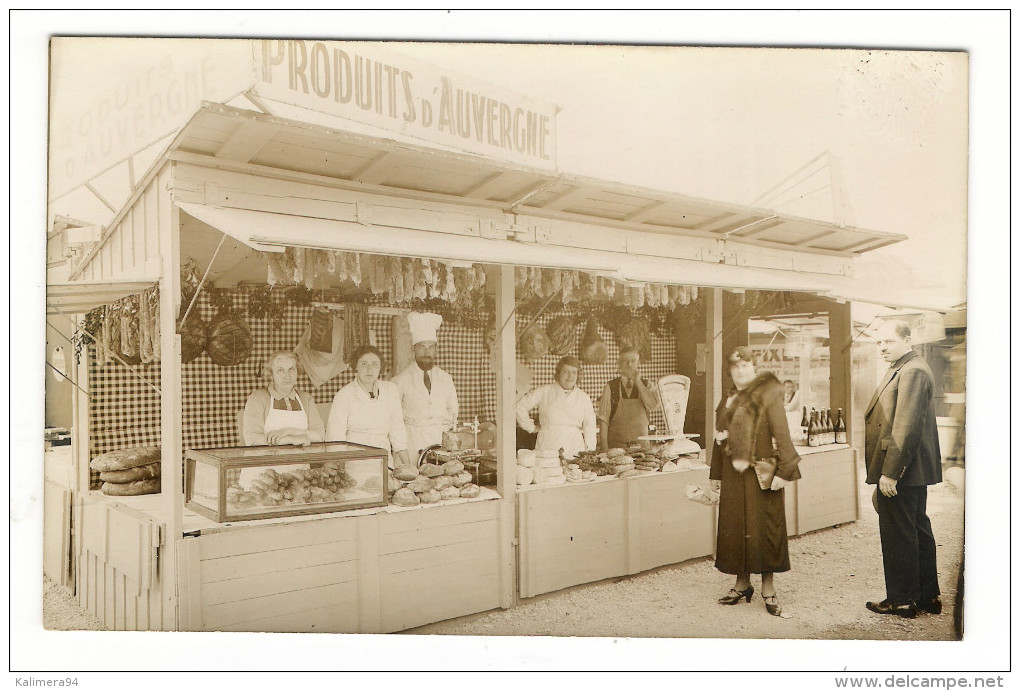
(900, 437)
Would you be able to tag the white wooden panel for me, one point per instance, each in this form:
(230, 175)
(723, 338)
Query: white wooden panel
(335, 619)
(267, 538)
(826, 493)
(291, 580)
(217, 616)
(277, 560)
(56, 531)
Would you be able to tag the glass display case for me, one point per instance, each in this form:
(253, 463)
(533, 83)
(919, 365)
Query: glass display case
(251, 482)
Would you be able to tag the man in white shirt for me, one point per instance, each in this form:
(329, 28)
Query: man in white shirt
(427, 393)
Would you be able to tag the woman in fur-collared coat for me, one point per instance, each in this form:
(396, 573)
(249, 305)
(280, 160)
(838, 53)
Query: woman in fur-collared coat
(752, 521)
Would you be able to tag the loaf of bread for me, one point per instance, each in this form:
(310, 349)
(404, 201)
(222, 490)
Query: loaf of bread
(453, 467)
(405, 473)
(421, 484)
(405, 497)
(461, 479)
(131, 489)
(430, 497)
(449, 493)
(443, 482)
(430, 470)
(141, 472)
(470, 490)
(123, 459)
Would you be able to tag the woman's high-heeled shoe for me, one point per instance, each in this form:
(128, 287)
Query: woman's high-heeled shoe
(734, 596)
(772, 605)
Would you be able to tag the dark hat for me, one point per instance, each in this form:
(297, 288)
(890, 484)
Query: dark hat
(741, 353)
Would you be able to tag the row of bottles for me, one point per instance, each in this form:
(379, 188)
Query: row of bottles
(820, 428)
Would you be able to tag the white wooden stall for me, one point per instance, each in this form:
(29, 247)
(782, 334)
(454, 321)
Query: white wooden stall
(267, 183)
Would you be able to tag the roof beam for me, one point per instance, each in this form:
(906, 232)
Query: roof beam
(564, 199)
(641, 215)
(375, 171)
(486, 187)
(246, 141)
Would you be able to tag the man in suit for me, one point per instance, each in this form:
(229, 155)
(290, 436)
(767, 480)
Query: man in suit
(901, 448)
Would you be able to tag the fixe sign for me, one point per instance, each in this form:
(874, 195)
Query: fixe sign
(372, 85)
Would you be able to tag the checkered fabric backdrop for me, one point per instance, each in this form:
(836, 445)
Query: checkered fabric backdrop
(125, 411)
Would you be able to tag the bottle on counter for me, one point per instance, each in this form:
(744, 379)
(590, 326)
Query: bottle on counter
(803, 425)
(840, 427)
(830, 434)
(812, 430)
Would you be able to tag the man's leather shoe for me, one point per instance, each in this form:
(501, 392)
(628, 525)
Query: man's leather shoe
(907, 611)
(932, 606)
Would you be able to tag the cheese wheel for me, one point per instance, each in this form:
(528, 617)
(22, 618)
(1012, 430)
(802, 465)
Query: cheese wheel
(526, 458)
(547, 453)
(548, 462)
(525, 476)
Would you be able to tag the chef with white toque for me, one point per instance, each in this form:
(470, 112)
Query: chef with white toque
(427, 393)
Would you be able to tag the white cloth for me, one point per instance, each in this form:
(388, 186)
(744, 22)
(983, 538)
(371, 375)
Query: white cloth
(356, 417)
(321, 367)
(567, 418)
(424, 326)
(278, 419)
(426, 414)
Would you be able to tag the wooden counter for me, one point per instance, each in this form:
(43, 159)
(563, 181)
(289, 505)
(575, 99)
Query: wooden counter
(580, 533)
(377, 571)
(827, 493)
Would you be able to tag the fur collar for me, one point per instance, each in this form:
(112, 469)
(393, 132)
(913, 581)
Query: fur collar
(762, 385)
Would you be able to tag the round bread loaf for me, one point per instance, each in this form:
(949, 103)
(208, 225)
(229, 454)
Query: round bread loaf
(430, 497)
(470, 490)
(421, 484)
(449, 493)
(461, 479)
(443, 482)
(405, 473)
(452, 467)
(405, 497)
(430, 470)
(123, 459)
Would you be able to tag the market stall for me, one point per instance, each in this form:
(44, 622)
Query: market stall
(251, 222)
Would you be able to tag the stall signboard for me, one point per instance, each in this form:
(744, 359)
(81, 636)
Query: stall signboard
(147, 90)
(773, 358)
(369, 84)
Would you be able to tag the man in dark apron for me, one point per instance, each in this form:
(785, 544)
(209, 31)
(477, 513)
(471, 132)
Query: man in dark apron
(625, 404)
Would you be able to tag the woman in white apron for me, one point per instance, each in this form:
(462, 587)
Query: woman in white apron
(565, 412)
(367, 411)
(280, 414)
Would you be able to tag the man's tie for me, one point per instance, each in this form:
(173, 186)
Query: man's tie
(428, 382)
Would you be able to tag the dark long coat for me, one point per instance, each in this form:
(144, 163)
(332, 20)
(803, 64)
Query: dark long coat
(752, 521)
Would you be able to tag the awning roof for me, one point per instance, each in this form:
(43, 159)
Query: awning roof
(78, 298)
(225, 136)
(272, 232)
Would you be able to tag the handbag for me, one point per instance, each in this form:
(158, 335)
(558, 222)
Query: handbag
(765, 469)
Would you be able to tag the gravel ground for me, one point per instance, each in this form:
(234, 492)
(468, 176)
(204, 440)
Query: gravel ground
(835, 571)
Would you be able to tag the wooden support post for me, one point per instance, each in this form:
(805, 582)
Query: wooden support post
(841, 362)
(713, 361)
(506, 430)
(170, 409)
(80, 422)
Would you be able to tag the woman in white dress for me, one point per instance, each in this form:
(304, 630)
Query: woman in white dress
(367, 411)
(565, 411)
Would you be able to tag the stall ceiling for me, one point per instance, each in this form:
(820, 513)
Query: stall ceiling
(239, 137)
(78, 298)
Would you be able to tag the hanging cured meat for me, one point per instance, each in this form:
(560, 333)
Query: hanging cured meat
(634, 334)
(230, 341)
(193, 336)
(533, 343)
(561, 334)
(594, 350)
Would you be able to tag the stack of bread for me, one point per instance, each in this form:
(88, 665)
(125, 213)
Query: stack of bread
(431, 483)
(525, 467)
(620, 464)
(548, 469)
(129, 472)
